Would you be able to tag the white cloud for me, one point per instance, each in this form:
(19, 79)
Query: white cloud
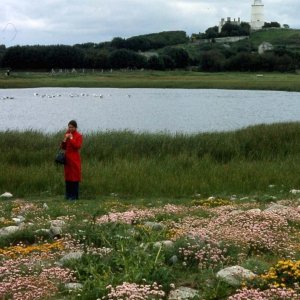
(70, 22)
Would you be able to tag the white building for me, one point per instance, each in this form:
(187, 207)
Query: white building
(265, 46)
(257, 15)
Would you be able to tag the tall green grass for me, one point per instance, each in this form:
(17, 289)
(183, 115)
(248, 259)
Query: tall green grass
(153, 165)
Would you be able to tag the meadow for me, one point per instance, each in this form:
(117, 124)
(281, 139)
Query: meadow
(129, 164)
(115, 249)
(159, 215)
(153, 79)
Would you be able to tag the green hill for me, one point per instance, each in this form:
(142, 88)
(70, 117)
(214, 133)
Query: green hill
(287, 38)
(277, 37)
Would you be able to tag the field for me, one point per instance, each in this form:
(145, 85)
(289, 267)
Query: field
(114, 248)
(155, 79)
(159, 215)
(241, 162)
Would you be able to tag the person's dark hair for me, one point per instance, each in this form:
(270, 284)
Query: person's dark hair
(73, 123)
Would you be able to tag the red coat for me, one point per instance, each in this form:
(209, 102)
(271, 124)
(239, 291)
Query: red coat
(73, 161)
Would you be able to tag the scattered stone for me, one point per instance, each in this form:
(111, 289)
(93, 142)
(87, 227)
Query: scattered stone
(17, 221)
(166, 244)
(45, 206)
(211, 198)
(236, 212)
(155, 225)
(173, 260)
(58, 223)
(55, 231)
(244, 199)
(275, 206)
(271, 186)
(183, 293)
(70, 256)
(73, 286)
(2, 219)
(6, 195)
(21, 218)
(233, 198)
(254, 210)
(293, 191)
(8, 230)
(235, 275)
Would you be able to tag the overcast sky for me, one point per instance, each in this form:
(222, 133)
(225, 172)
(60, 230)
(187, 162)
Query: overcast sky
(44, 22)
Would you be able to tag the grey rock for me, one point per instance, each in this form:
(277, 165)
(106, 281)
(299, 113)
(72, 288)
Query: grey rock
(235, 275)
(45, 206)
(236, 212)
(55, 231)
(254, 210)
(275, 206)
(70, 256)
(17, 221)
(173, 260)
(6, 195)
(183, 293)
(21, 218)
(73, 286)
(8, 230)
(166, 244)
(155, 225)
(57, 223)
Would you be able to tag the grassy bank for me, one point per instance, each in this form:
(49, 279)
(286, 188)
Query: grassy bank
(242, 162)
(155, 79)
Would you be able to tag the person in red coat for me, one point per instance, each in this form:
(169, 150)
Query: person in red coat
(71, 144)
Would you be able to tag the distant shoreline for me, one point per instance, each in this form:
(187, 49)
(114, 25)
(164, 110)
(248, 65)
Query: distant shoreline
(155, 79)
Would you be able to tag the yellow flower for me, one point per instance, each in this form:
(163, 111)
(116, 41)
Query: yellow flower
(15, 251)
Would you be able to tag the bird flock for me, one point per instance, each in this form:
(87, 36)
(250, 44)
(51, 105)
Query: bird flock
(71, 95)
(6, 97)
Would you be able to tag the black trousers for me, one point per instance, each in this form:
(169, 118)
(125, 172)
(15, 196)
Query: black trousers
(72, 190)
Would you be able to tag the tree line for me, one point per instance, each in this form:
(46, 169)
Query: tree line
(160, 51)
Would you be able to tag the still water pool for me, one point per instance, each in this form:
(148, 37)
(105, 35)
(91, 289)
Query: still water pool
(151, 110)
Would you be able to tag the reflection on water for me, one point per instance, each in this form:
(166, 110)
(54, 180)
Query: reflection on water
(152, 110)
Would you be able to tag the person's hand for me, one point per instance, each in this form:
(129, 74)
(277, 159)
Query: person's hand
(68, 136)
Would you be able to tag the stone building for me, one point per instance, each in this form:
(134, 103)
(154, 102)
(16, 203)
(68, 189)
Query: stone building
(223, 22)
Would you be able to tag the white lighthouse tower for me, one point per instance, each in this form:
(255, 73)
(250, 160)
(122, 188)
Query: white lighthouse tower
(257, 15)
